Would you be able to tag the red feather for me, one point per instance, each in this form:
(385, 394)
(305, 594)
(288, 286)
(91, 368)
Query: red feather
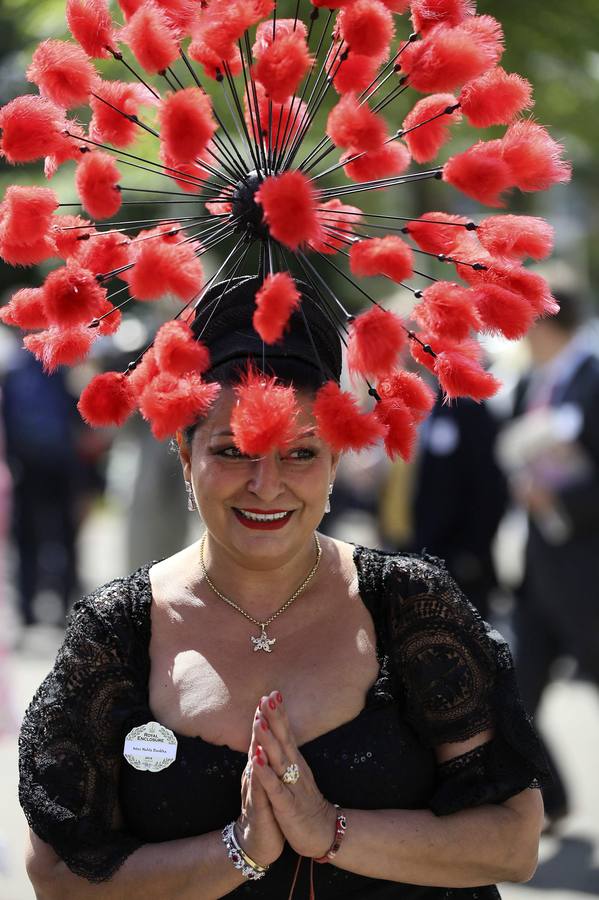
(425, 14)
(447, 309)
(355, 73)
(355, 125)
(411, 390)
(367, 27)
(107, 400)
(60, 346)
(449, 56)
(495, 98)
(65, 147)
(289, 202)
(178, 352)
(109, 317)
(25, 309)
(281, 28)
(382, 162)
(104, 253)
(516, 237)
(423, 136)
(461, 376)
(469, 347)
(388, 256)
(376, 339)
(108, 124)
(171, 404)
(97, 180)
(72, 296)
(401, 429)
(439, 237)
(129, 7)
(223, 24)
(264, 416)
(143, 373)
(213, 62)
(534, 157)
(533, 287)
(341, 423)
(164, 268)
(181, 14)
(481, 172)
(187, 125)
(31, 128)
(68, 235)
(26, 254)
(26, 214)
(63, 73)
(282, 66)
(503, 311)
(275, 302)
(331, 4)
(335, 215)
(151, 38)
(90, 24)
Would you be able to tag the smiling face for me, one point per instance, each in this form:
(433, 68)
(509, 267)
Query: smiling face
(261, 511)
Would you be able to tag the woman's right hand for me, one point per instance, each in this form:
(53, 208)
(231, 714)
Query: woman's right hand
(257, 829)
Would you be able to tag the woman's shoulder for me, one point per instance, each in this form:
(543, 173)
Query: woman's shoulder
(405, 574)
(124, 599)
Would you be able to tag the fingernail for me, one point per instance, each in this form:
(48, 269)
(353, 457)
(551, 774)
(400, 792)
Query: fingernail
(260, 761)
(258, 751)
(279, 697)
(272, 704)
(264, 725)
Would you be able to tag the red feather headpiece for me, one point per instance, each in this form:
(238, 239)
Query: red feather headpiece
(230, 127)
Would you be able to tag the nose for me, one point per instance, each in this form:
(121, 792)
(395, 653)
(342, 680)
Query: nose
(265, 481)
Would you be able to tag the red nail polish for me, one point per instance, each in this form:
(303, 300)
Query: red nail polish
(258, 751)
(260, 761)
(264, 725)
(272, 704)
(279, 697)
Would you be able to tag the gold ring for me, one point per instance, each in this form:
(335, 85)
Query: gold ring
(291, 774)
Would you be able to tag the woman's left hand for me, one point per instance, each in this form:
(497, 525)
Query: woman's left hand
(306, 819)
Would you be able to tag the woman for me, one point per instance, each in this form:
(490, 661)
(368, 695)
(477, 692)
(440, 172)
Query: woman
(291, 673)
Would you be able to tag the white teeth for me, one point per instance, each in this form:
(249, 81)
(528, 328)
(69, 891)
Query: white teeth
(263, 517)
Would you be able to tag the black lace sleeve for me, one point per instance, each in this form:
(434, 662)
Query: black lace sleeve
(457, 679)
(72, 738)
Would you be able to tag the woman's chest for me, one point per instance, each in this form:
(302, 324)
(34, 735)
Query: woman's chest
(211, 687)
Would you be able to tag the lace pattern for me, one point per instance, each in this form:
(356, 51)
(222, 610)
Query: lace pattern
(442, 668)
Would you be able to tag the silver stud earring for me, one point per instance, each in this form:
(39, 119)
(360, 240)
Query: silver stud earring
(191, 500)
(327, 508)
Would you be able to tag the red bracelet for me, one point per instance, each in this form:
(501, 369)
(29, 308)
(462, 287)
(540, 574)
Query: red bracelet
(340, 829)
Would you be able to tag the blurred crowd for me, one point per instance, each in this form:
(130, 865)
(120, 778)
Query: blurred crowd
(506, 493)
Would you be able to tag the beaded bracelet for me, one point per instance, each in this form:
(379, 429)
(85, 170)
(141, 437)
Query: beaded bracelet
(246, 865)
(340, 829)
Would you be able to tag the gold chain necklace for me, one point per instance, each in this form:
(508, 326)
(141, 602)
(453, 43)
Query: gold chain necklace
(263, 642)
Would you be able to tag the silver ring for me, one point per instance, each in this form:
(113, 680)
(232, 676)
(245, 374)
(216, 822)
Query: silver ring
(291, 774)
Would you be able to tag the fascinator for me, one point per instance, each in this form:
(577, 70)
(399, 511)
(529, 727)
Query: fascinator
(275, 134)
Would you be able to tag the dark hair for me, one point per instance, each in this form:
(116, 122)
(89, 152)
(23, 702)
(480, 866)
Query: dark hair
(308, 355)
(571, 312)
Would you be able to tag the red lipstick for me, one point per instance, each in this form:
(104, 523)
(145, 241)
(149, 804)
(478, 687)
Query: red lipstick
(272, 525)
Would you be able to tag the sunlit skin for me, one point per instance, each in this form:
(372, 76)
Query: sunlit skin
(295, 478)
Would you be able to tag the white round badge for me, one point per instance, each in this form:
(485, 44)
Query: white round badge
(150, 747)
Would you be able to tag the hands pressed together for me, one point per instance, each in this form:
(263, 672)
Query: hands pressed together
(273, 812)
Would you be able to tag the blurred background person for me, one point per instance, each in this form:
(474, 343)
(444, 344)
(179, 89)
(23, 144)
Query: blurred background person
(551, 452)
(450, 499)
(51, 458)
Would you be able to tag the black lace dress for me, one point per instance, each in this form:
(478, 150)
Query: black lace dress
(444, 676)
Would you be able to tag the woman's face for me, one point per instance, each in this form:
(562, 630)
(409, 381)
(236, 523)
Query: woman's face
(235, 492)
